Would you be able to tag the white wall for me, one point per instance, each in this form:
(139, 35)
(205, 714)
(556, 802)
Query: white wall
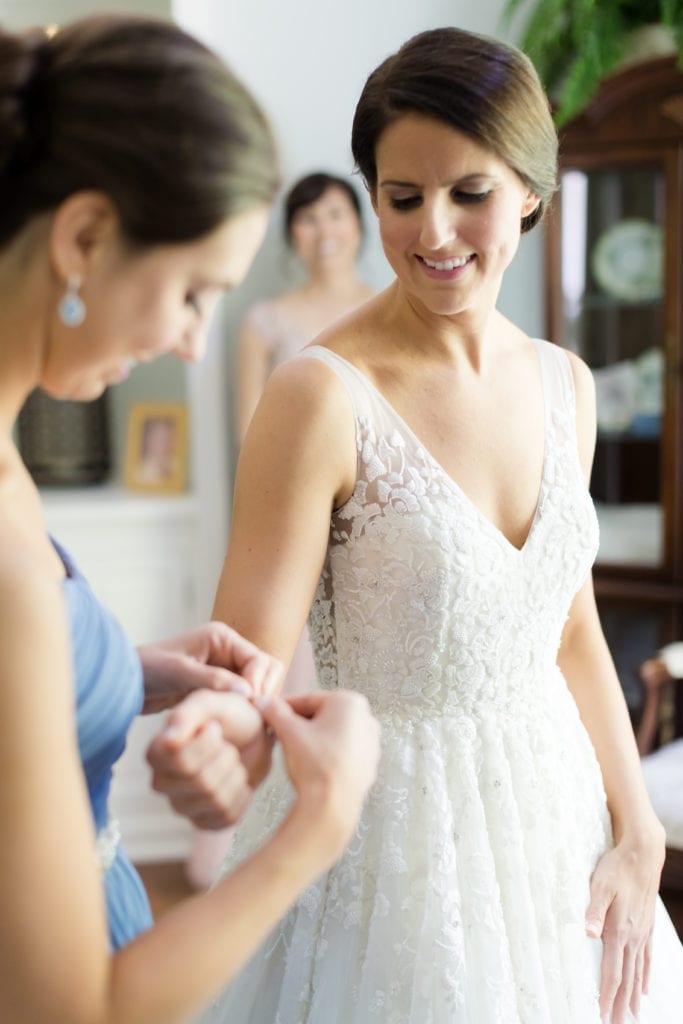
(16, 14)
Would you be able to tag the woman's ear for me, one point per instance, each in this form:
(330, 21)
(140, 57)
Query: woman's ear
(530, 205)
(83, 227)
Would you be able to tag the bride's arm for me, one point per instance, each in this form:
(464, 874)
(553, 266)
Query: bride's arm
(298, 462)
(587, 664)
(625, 883)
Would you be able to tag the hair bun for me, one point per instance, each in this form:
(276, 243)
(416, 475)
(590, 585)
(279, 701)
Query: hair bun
(23, 62)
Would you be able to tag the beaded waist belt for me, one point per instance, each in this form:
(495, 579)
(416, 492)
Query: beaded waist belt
(106, 845)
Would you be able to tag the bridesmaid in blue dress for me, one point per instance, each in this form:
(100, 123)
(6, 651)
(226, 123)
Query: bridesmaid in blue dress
(129, 206)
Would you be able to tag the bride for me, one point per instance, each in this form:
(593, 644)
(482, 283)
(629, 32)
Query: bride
(421, 472)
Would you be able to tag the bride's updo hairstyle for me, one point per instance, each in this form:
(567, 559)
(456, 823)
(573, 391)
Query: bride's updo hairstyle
(139, 110)
(478, 85)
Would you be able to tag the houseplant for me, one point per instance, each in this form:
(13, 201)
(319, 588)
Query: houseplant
(574, 44)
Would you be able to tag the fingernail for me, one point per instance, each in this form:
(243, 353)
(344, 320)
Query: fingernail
(242, 688)
(172, 732)
(214, 728)
(593, 929)
(262, 702)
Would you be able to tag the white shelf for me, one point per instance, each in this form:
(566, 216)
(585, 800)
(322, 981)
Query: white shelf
(113, 500)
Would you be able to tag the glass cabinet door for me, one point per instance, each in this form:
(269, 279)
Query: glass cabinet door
(613, 316)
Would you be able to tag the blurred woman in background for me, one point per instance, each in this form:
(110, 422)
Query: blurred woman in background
(324, 228)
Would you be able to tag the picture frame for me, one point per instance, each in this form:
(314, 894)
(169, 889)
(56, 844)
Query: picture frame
(156, 447)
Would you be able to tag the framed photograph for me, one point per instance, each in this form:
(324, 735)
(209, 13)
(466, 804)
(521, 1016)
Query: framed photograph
(156, 447)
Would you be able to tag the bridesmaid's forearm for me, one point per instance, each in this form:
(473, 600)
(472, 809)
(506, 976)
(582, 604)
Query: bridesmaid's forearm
(232, 919)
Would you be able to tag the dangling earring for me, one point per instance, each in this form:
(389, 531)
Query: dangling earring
(72, 307)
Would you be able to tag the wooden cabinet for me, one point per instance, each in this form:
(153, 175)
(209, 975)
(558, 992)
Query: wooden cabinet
(615, 296)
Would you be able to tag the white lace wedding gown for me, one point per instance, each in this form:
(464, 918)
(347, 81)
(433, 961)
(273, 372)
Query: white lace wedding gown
(461, 898)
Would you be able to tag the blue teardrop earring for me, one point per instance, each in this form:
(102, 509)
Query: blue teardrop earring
(72, 307)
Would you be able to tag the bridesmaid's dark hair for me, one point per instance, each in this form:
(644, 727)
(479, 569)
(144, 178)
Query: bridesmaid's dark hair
(484, 88)
(309, 189)
(135, 108)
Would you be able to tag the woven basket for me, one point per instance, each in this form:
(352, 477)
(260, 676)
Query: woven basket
(65, 444)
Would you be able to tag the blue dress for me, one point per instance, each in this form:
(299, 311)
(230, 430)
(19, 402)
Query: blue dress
(109, 694)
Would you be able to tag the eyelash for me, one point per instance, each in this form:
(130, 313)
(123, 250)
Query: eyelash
(471, 197)
(458, 197)
(192, 300)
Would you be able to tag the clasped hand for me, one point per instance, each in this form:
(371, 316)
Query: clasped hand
(215, 746)
(213, 749)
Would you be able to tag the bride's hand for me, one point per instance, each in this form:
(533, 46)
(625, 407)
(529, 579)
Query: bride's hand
(210, 754)
(624, 889)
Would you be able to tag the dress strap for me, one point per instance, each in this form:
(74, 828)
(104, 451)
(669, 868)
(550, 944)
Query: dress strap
(374, 417)
(363, 395)
(70, 570)
(558, 381)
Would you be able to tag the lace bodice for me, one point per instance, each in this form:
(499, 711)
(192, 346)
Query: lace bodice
(412, 608)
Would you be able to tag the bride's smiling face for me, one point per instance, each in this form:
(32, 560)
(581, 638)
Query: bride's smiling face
(449, 213)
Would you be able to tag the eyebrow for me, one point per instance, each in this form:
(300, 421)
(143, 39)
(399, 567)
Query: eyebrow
(214, 283)
(468, 179)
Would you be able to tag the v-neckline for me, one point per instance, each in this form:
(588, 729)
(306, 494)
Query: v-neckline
(452, 483)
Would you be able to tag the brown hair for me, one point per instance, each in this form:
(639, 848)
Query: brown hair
(309, 189)
(138, 109)
(480, 86)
